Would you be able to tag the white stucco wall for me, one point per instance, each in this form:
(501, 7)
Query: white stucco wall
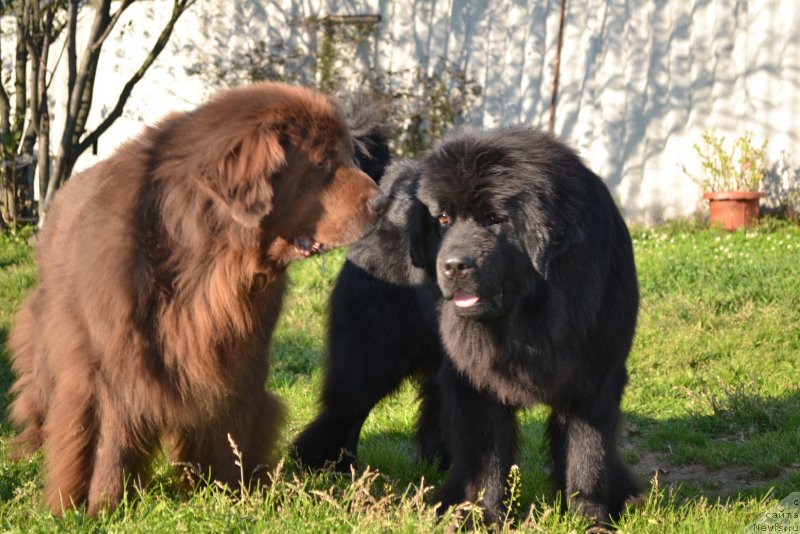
(640, 79)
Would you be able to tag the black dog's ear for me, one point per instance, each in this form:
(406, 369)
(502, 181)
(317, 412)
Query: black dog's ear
(423, 238)
(545, 245)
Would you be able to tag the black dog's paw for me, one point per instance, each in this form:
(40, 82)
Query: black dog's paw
(312, 452)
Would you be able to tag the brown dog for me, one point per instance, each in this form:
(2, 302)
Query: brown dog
(161, 276)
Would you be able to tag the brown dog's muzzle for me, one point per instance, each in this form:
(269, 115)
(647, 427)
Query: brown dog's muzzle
(352, 204)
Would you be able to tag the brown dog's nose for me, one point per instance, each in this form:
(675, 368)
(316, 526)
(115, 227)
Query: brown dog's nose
(457, 266)
(378, 204)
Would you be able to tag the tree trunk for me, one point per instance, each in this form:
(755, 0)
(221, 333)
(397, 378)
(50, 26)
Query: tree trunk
(43, 124)
(20, 80)
(77, 108)
(7, 212)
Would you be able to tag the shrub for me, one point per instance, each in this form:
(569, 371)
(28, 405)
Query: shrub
(739, 168)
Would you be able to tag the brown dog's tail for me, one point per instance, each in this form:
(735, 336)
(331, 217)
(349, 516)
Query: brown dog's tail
(27, 410)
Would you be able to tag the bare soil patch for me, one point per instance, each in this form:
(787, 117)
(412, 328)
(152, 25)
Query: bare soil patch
(721, 482)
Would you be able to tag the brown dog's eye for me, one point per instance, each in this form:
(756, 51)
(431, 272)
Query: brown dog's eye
(326, 168)
(444, 219)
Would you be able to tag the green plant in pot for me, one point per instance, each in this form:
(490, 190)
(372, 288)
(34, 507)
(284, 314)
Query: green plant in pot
(730, 178)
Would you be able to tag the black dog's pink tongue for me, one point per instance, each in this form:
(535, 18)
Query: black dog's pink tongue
(462, 299)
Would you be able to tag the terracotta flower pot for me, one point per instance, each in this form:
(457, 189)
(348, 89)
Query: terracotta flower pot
(733, 209)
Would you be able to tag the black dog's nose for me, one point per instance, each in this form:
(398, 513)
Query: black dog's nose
(457, 266)
(378, 203)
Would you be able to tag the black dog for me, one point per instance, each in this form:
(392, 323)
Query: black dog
(540, 297)
(538, 303)
(383, 329)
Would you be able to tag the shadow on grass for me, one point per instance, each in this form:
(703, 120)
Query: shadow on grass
(747, 448)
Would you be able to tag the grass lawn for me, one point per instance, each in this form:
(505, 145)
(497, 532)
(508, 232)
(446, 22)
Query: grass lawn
(712, 409)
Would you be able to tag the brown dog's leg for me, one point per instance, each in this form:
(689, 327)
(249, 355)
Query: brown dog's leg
(69, 441)
(259, 436)
(254, 430)
(29, 407)
(122, 448)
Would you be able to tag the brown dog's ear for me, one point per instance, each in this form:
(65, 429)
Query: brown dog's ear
(245, 176)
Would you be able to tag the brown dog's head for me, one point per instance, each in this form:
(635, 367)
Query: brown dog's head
(280, 159)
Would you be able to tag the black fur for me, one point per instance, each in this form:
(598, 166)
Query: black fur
(535, 235)
(368, 120)
(535, 251)
(383, 329)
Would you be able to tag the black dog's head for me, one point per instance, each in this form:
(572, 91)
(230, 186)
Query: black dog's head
(402, 248)
(406, 212)
(506, 204)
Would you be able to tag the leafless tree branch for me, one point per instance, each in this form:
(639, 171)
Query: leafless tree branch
(178, 8)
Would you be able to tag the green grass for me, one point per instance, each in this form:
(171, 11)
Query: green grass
(712, 409)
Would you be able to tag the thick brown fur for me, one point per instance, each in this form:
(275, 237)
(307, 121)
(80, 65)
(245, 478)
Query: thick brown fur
(161, 276)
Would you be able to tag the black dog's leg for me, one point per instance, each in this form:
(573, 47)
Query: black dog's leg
(330, 440)
(587, 469)
(557, 440)
(580, 446)
(483, 443)
(623, 489)
(347, 399)
(377, 338)
(430, 424)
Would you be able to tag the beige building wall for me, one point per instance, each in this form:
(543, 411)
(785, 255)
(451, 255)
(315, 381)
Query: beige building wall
(640, 79)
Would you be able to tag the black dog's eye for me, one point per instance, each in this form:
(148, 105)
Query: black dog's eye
(494, 218)
(444, 219)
